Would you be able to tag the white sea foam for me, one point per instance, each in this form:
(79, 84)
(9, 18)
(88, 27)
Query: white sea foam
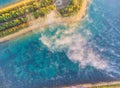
(75, 46)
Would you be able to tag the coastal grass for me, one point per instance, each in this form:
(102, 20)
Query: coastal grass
(12, 17)
(18, 16)
(72, 8)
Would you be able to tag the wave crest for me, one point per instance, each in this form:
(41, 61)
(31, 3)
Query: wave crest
(74, 45)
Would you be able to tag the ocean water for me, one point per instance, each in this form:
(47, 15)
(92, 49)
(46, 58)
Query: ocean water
(6, 2)
(87, 52)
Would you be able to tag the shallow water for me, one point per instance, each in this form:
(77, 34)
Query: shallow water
(7, 2)
(62, 56)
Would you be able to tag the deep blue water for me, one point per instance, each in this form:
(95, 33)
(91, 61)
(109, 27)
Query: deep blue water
(57, 56)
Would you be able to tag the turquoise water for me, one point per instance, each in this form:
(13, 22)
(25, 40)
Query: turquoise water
(64, 55)
(6, 2)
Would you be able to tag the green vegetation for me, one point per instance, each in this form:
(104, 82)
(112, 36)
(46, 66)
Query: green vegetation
(45, 6)
(18, 17)
(13, 29)
(14, 19)
(13, 23)
(71, 8)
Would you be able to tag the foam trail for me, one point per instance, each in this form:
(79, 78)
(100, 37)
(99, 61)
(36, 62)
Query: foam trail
(75, 46)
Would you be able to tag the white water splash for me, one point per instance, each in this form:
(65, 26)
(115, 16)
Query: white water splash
(75, 46)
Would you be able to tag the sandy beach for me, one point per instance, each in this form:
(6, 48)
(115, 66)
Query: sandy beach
(52, 18)
(115, 84)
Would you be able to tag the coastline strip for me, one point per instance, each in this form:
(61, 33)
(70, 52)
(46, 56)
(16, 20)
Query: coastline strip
(114, 84)
(42, 21)
(13, 5)
(58, 20)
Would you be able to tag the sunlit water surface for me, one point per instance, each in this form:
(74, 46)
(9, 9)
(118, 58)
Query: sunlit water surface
(64, 55)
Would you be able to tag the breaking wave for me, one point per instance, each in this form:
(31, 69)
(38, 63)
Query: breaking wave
(75, 41)
(75, 46)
